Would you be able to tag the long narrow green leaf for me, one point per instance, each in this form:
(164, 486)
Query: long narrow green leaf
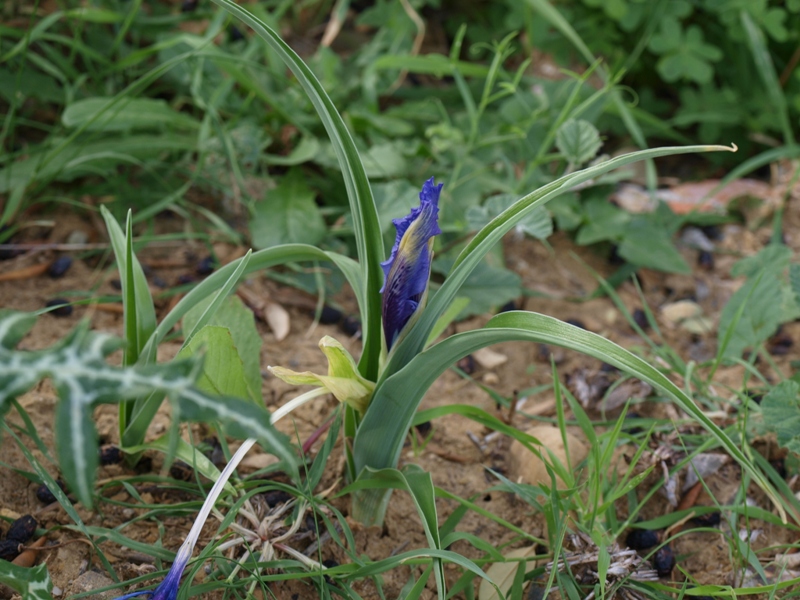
(492, 233)
(369, 244)
(380, 438)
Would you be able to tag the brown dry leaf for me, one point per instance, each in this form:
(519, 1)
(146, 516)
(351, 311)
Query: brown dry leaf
(278, 320)
(503, 573)
(632, 388)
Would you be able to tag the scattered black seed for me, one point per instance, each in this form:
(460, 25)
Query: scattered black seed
(713, 232)
(705, 260)
(188, 6)
(329, 315)
(61, 311)
(641, 539)
(110, 455)
(206, 266)
(540, 549)
(467, 364)
(235, 33)
(213, 451)
(275, 497)
(664, 561)
(185, 278)
(311, 524)
(487, 498)
(607, 368)
(614, 257)
(780, 344)
(116, 284)
(351, 326)
(159, 283)
(44, 494)
(59, 267)
(779, 464)
(756, 397)
(22, 529)
(576, 323)
(640, 318)
(536, 591)
(329, 563)
(181, 471)
(9, 549)
(145, 465)
(507, 307)
(423, 428)
(708, 520)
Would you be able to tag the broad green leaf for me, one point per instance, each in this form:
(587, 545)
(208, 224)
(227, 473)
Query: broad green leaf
(79, 370)
(486, 287)
(379, 440)
(241, 323)
(578, 141)
(109, 114)
(646, 244)
(287, 215)
(223, 372)
(369, 246)
(781, 409)
(536, 224)
(306, 149)
(32, 583)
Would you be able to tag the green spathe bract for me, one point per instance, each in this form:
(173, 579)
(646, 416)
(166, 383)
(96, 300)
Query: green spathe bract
(377, 439)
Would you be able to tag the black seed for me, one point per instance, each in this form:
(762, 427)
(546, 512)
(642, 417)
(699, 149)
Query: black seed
(423, 428)
(44, 494)
(116, 284)
(145, 465)
(614, 258)
(641, 539)
(235, 33)
(708, 520)
(110, 455)
(713, 232)
(329, 563)
(159, 283)
(540, 549)
(351, 326)
(275, 497)
(59, 266)
(640, 318)
(487, 498)
(705, 260)
(536, 591)
(188, 6)
(213, 450)
(779, 464)
(467, 364)
(607, 368)
(22, 529)
(185, 278)
(205, 266)
(664, 561)
(576, 323)
(64, 307)
(780, 343)
(507, 307)
(9, 549)
(756, 397)
(182, 471)
(329, 315)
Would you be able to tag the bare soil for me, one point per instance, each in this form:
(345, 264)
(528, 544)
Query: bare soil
(558, 278)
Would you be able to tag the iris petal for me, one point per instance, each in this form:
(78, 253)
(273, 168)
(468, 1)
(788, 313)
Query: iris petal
(408, 268)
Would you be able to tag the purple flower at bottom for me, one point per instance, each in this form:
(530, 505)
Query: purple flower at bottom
(168, 590)
(408, 269)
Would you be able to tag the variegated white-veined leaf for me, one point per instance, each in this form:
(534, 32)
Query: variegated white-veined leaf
(83, 378)
(32, 583)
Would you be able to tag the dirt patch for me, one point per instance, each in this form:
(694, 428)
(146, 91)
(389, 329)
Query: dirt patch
(558, 282)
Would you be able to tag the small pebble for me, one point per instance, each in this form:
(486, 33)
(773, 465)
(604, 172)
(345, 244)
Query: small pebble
(59, 267)
(664, 561)
(22, 529)
(642, 539)
(64, 307)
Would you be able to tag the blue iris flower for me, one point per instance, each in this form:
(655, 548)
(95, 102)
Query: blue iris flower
(408, 269)
(168, 590)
